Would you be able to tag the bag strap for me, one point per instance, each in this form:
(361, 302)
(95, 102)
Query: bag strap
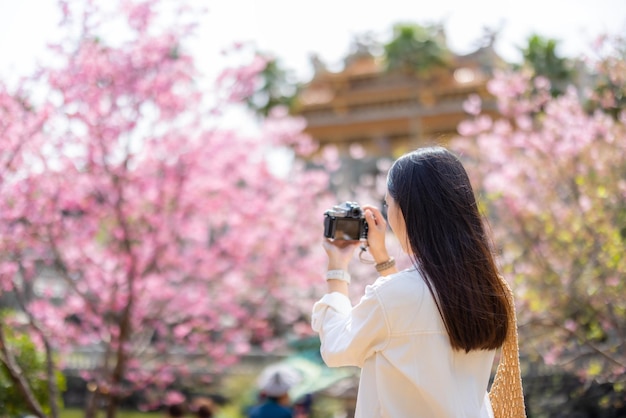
(506, 393)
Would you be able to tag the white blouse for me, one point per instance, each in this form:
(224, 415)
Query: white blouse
(397, 337)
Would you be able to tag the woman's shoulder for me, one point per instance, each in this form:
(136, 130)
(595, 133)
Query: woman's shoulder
(407, 302)
(400, 281)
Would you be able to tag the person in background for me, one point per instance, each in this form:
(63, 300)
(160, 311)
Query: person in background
(177, 410)
(274, 385)
(204, 407)
(302, 408)
(425, 337)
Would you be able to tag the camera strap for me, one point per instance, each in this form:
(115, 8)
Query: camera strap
(364, 250)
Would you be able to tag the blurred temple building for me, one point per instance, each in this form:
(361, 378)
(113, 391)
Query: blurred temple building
(368, 111)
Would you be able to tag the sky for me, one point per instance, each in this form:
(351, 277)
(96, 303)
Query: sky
(293, 30)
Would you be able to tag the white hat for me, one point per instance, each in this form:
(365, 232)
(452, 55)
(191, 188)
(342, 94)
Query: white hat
(277, 379)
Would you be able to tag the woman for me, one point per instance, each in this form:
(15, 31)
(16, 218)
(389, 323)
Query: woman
(424, 338)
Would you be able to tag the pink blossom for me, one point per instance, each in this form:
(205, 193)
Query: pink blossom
(472, 105)
(550, 174)
(571, 325)
(149, 212)
(173, 398)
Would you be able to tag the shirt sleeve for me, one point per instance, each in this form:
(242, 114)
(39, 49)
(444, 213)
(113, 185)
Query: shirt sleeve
(349, 335)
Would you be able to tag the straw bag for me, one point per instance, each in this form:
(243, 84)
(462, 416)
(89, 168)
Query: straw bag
(506, 394)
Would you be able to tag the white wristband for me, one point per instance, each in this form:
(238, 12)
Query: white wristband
(338, 275)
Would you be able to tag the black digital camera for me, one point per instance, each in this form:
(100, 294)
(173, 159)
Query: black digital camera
(345, 221)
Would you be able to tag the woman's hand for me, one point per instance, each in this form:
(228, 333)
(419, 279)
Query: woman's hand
(377, 228)
(339, 253)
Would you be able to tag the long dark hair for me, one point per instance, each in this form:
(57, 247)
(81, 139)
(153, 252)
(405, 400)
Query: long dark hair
(450, 246)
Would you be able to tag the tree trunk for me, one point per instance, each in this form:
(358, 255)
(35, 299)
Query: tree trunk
(17, 377)
(91, 408)
(113, 405)
(53, 388)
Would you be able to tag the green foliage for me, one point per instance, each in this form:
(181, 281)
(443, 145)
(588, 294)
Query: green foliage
(78, 413)
(541, 55)
(609, 87)
(277, 88)
(32, 363)
(416, 49)
(554, 178)
(554, 394)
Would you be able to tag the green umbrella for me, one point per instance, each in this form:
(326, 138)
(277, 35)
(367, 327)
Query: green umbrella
(314, 376)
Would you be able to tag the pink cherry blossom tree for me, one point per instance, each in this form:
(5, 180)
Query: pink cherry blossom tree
(134, 226)
(553, 174)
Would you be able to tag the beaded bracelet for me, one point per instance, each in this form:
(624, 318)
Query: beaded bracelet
(386, 264)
